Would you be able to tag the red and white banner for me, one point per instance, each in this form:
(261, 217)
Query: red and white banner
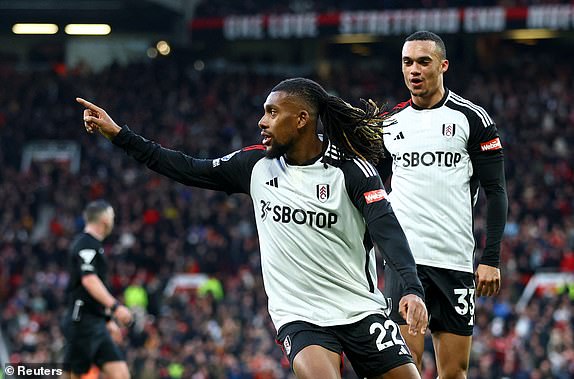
(389, 22)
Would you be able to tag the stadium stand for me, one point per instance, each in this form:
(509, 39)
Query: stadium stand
(223, 8)
(187, 260)
(166, 228)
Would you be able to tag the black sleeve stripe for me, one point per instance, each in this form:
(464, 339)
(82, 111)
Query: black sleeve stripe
(333, 152)
(367, 168)
(485, 118)
(477, 108)
(367, 271)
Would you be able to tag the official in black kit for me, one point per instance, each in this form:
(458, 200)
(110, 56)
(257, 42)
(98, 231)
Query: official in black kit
(93, 314)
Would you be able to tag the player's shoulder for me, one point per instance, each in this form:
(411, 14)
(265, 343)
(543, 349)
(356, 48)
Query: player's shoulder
(350, 165)
(358, 169)
(251, 150)
(404, 105)
(253, 155)
(246, 153)
(473, 112)
(84, 239)
(85, 242)
(257, 148)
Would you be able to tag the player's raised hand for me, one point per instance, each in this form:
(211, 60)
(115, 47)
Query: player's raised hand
(487, 280)
(412, 308)
(97, 119)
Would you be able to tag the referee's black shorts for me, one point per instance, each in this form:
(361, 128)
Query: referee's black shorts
(88, 342)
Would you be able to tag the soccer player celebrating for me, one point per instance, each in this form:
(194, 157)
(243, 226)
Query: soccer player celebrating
(316, 202)
(442, 147)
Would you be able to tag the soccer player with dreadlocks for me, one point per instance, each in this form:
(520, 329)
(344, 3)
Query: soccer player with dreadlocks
(319, 207)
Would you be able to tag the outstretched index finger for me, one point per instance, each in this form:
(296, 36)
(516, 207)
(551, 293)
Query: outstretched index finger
(89, 105)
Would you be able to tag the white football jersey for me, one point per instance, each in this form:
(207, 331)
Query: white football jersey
(433, 187)
(311, 238)
(312, 221)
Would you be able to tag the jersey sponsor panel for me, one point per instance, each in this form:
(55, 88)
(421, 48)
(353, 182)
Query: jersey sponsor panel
(428, 158)
(286, 214)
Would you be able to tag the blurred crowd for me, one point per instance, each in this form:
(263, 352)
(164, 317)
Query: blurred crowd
(163, 228)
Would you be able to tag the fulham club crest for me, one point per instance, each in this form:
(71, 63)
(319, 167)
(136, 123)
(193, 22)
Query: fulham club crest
(287, 345)
(448, 130)
(323, 192)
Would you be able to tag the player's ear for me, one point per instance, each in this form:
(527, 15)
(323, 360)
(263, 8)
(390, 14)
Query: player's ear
(444, 66)
(303, 118)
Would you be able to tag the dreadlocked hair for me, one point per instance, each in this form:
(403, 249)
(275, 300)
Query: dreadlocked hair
(355, 132)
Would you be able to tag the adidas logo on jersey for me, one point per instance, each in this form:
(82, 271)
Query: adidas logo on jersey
(403, 351)
(273, 183)
(399, 136)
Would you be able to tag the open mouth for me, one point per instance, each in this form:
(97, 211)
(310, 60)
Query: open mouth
(416, 81)
(266, 139)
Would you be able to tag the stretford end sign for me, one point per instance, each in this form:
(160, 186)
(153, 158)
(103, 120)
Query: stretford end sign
(388, 22)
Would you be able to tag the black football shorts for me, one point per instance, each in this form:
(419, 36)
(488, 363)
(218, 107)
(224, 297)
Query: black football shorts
(449, 298)
(89, 342)
(373, 345)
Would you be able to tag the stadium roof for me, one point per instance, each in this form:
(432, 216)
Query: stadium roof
(155, 16)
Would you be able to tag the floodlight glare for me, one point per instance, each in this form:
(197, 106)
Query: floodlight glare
(88, 29)
(531, 34)
(151, 52)
(163, 47)
(35, 29)
(355, 38)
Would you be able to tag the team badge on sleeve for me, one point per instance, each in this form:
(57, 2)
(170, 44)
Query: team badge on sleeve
(323, 192)
(493, 144)
(87, 256)
(374, 196)
(217, 162)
